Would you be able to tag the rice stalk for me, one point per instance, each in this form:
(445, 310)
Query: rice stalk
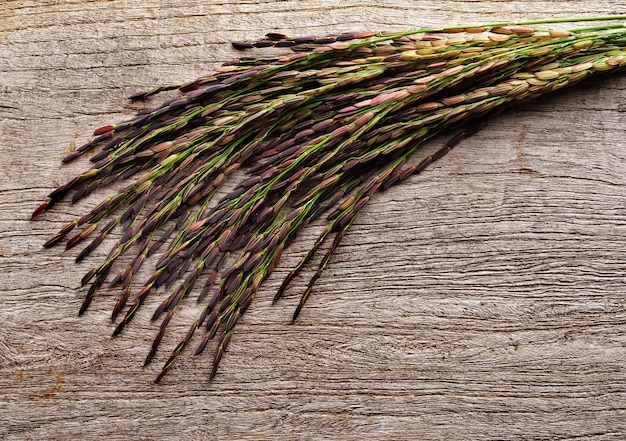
(318, 131)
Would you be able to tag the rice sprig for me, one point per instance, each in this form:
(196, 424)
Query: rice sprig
(318, 131)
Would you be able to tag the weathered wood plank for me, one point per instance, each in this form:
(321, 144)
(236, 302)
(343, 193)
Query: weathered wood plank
(483, 299)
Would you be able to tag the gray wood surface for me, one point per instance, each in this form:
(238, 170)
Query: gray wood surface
(483, 299)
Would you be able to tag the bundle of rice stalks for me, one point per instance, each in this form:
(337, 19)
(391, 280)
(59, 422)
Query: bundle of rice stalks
(317, 131)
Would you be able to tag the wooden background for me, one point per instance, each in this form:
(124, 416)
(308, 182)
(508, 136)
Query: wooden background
(483, 299)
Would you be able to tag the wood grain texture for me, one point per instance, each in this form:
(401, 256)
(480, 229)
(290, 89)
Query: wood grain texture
(483, 299)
